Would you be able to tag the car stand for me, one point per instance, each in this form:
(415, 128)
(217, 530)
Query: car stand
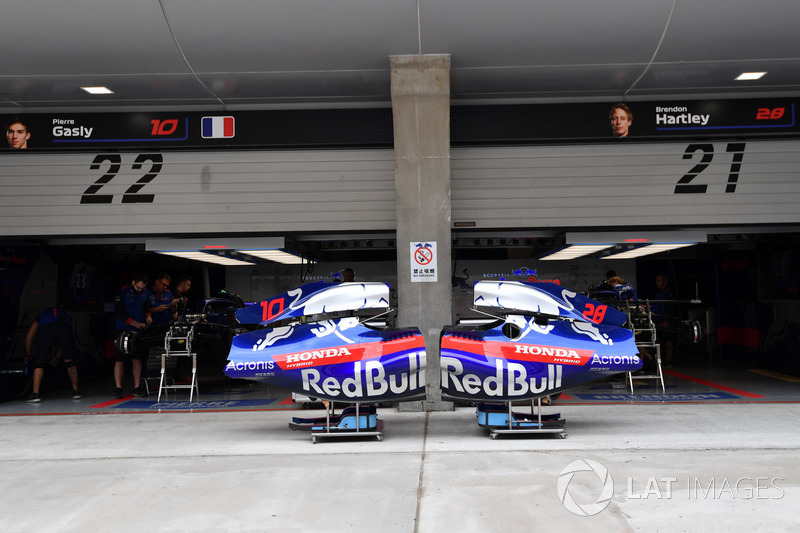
(358, 421)
(644, 331)
(178, 343)
(501, 420)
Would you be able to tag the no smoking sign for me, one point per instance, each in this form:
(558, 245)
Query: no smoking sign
(423, 262)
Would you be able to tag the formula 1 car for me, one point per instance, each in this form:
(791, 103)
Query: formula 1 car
(317, 340)
(645, 314)
(544, 339)
(210, 332)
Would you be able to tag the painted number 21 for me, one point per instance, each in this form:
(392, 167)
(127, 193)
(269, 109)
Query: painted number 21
(114, 162)
(685, 185)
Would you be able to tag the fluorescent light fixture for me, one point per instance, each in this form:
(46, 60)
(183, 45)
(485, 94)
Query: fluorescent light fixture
(632, 236)
(649, 249)
(572, 251)
(746, 76)
(98, 90)
(279, 256)
(208, 258)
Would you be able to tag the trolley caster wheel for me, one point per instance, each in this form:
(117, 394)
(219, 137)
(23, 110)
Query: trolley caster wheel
(563, 435)
(379, 437)
(494, 436)
(313, 440)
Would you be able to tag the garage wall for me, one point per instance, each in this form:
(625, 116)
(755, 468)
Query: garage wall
(627, 184)
(195, 192)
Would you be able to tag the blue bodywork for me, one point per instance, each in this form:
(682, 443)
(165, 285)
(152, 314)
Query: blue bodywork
(545, 339)
(313, 340)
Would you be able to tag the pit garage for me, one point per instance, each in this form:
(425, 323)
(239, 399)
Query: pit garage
(738, 283)
(713, 217)
(429, 146)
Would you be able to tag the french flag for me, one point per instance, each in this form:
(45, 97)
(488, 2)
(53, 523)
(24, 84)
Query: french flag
(217, 127)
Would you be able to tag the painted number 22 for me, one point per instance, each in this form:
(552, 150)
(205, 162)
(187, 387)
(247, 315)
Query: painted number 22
(114, 162)
(685, 185)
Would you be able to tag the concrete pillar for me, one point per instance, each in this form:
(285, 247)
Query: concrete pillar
(421, 111)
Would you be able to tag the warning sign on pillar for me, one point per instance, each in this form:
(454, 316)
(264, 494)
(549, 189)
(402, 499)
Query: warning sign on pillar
(423, 262)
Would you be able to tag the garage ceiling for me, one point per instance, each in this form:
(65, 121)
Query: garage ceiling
(251, 54)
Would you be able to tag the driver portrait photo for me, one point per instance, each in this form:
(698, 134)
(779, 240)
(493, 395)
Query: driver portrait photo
(17, 134)
(620, 118)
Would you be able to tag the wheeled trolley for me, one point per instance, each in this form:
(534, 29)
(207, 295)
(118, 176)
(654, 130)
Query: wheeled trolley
(353, 421)
(640, 320)
(178, 343)
(500, 419)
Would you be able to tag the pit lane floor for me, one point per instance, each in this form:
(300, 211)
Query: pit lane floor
(718, 451)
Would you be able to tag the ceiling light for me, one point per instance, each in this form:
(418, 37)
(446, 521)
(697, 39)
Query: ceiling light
(574, 250)
(98, 90)
(649, 249)
(745, 76)
(206, 257)
(279, 256)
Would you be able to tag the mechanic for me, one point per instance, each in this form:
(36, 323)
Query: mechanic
(129, 302)
(52, 328)
(180, 302)
(665, 317)
(625, 290)
(159, 300)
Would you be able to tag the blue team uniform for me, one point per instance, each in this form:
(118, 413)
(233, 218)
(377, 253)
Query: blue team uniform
(626, 291)
(129, 304)
(54, 330)
(154, 300)
(52, 315)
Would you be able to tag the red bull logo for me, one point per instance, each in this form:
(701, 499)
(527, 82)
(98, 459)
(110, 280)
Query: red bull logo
(503, 383)
(368, 381)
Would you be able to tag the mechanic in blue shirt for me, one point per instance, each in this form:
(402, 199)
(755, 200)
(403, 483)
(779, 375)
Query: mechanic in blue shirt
(159, 300)
(665, 317)
(626, 291)
(52, 328)
(180, 305)
(129, 310)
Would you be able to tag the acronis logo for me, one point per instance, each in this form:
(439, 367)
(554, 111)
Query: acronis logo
(249, 365)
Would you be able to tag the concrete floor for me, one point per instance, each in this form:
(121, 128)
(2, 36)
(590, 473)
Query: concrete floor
(693, 461)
